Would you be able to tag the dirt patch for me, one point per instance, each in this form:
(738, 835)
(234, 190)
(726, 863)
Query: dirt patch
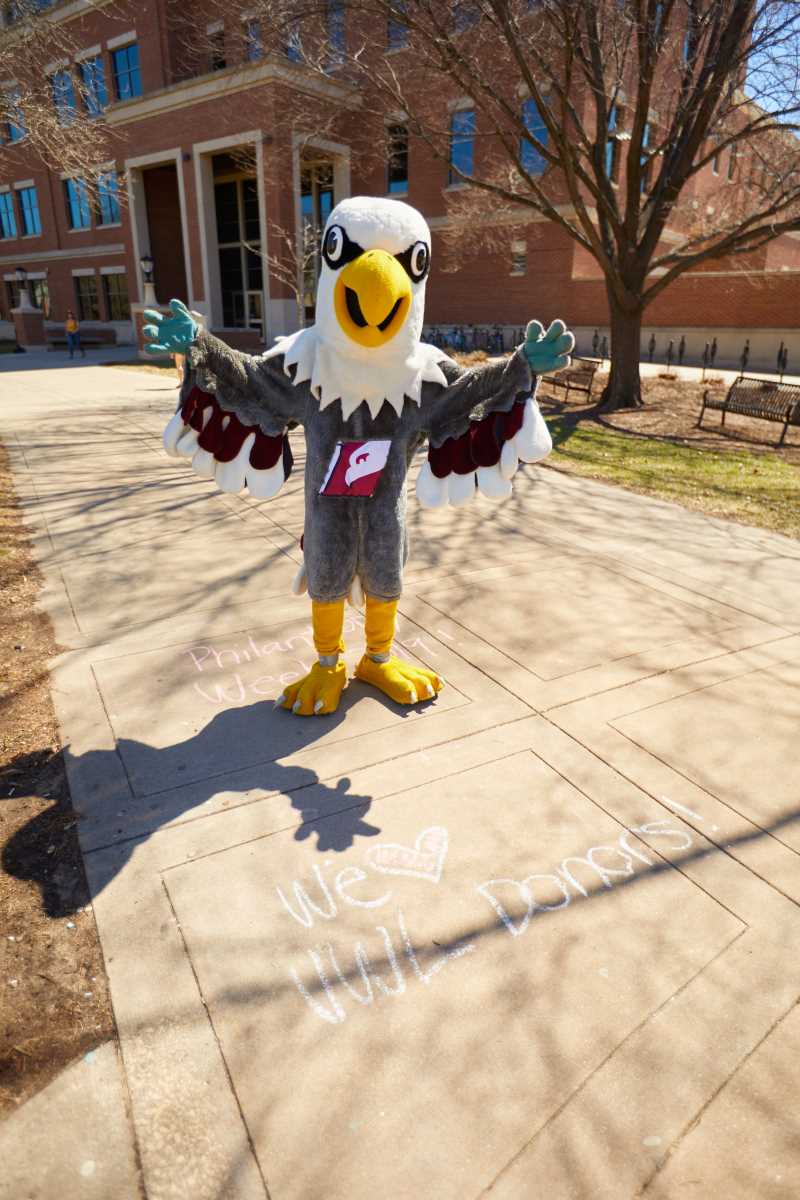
(54, 996)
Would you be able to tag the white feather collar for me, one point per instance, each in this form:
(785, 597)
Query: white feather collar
(335, 376)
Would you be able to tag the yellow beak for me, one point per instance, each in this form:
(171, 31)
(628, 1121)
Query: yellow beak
(372, 297)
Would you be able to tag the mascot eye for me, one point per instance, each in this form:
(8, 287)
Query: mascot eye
(416, 261)
(334, 245)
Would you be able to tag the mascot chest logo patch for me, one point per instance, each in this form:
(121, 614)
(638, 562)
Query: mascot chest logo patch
(355, 468)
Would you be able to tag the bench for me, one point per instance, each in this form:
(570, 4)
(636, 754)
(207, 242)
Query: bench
(763, 398)
(578, 377)
(87, 339)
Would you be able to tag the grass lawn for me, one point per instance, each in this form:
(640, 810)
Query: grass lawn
(755, 488)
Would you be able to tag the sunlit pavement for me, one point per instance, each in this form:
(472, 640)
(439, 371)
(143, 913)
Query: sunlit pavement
(537, 938)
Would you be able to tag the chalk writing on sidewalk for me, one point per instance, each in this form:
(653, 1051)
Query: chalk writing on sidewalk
(425, 859)
(341, 977)
(424, 966)
(519, 902)
(224, 678)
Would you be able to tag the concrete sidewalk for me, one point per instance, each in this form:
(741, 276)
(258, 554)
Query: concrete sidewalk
(536, 939)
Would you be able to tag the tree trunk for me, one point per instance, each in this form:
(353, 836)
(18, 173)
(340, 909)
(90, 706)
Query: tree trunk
(624, 389)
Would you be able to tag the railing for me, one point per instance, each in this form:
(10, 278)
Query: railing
(497, 339)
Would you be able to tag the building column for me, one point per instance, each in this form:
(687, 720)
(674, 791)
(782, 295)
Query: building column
(29, 324)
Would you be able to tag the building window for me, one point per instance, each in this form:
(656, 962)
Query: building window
(117, 303)
(732, 162)
(397, 158)
(336, 29)
(690, 38)
(253, 40)
(397, 32)
(108, 199)
(125, 66)
(645, 162)
(12, 294)
(40, 295)
(294, 47)
(86, 297)
(466, 13)
(316, 204)
(77, 199)
(462, 144)
(15, 118)
(715, 159)
(216, 48)
(29, 204)
(239, 241)
(519, 258)
(658, 21)
(531, 157)
(336, 26)
(93, 85)
(8, 219)
(613, 144)
(64, 96)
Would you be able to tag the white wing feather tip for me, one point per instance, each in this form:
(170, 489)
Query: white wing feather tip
(173, 433)
(460, 488)
(431, 491)
(492, 485)
(265, 484)
(533, 440)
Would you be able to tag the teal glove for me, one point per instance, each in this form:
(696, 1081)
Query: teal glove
(547, 352)
(170, 335)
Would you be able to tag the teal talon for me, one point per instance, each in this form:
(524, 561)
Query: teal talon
(547, 352)
(175, 333)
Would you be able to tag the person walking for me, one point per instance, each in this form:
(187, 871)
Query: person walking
(72, 329)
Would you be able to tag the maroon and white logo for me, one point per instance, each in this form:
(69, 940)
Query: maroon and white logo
(355, 468)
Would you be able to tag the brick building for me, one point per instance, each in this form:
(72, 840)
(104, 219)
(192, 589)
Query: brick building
(221, 159)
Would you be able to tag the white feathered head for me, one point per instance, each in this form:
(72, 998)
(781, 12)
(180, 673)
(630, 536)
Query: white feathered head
(371, 295)
(370, 309)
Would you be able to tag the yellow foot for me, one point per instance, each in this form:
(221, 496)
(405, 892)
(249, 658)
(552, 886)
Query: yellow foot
(317, 693)
(400, 681)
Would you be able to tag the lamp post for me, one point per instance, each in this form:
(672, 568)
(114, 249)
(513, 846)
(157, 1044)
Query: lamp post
(22, 280)
(147, 264)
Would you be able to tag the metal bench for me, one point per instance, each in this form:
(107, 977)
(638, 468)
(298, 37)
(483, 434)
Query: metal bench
(87, 339)
(577, 378)
(763, 398)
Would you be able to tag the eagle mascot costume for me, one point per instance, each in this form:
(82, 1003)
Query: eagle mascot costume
(368, 394)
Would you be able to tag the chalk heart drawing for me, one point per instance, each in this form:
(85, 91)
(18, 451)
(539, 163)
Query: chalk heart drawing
(425, 860)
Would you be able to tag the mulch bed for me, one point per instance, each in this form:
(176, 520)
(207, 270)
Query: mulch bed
(672, 407)
(54, 1001)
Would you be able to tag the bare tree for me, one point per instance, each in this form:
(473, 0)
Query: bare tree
(48, 112)
(607, 117)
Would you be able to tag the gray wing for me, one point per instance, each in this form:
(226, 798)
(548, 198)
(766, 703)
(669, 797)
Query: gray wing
(233, 418)
(480, 428)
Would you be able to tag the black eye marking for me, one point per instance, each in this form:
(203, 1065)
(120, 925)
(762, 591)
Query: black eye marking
(338, 249)
(416, 261)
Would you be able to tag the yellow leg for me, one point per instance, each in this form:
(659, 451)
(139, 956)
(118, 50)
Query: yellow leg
(318, 692)
(400, 681)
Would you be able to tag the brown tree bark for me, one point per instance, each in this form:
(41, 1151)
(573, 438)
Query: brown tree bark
(624, 388)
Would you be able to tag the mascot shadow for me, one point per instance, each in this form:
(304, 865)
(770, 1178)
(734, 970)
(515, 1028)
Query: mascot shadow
(331, 816)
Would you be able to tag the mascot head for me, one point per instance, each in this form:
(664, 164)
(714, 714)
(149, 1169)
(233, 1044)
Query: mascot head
(376, 255)
(365, 342)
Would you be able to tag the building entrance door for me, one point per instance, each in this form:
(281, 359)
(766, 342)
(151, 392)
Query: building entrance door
(165, 228)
